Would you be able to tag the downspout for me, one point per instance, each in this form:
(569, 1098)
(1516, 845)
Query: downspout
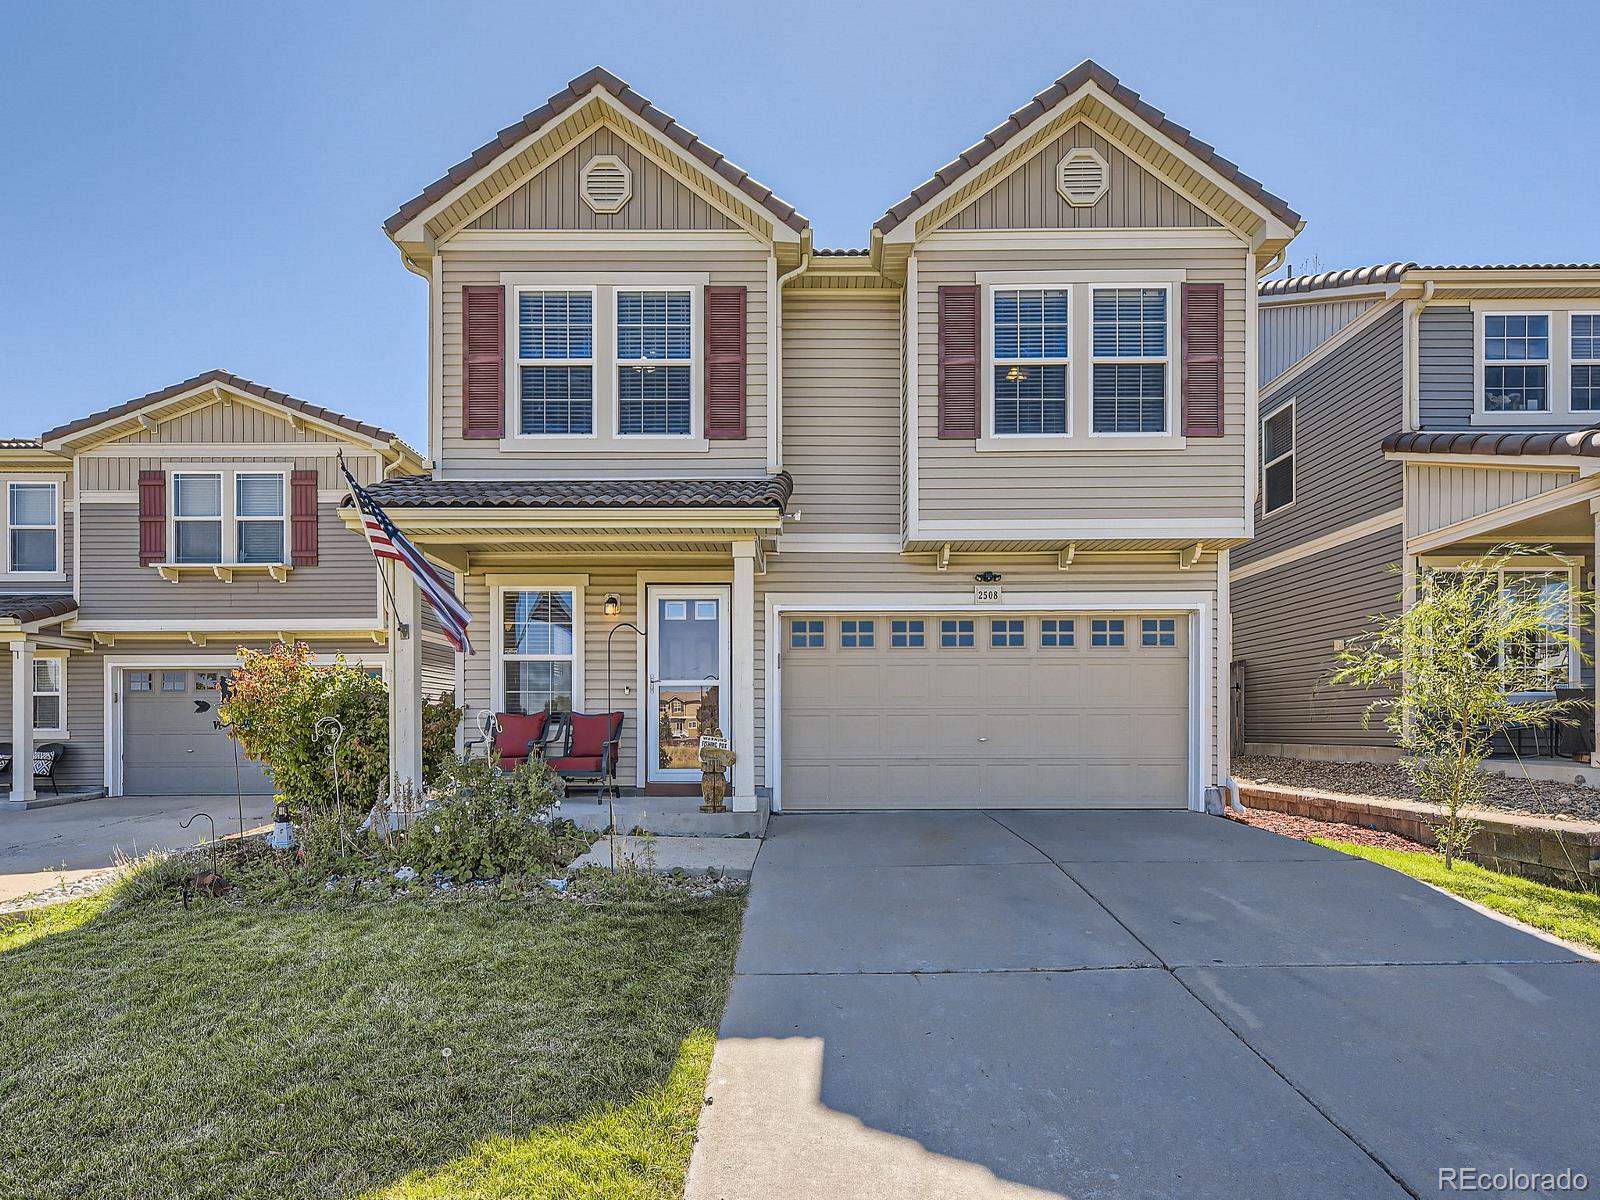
(1413, 365)
(775, 347)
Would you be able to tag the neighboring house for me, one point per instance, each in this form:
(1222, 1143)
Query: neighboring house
(146, 543)
(1411, 417)
(947, 520)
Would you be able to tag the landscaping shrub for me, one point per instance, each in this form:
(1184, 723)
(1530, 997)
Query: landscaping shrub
(486, 825)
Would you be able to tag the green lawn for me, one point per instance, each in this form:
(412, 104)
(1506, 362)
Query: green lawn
(276, 1052)
(1574, 916)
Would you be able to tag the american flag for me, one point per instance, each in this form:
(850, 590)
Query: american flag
(387, 541)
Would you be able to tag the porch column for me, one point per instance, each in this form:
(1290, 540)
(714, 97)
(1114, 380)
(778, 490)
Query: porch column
(405, 678)
(743, 730)
(1594, 513)
(21, 722)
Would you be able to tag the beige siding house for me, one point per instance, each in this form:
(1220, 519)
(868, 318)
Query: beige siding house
(945, 521)
(145, 545)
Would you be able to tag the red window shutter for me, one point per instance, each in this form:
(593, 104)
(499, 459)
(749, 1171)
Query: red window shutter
(152, 517)
(1202, 360)
(303, 507)
(958, 360)
(725, 362)
(483, 399)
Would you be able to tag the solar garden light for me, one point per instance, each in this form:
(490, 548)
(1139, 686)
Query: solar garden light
(282, 826)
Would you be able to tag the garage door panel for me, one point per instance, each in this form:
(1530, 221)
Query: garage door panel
(172, 744)
(975, 726)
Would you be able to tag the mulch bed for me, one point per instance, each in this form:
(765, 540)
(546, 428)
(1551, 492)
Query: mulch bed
(1305, 829)
(1389, 781)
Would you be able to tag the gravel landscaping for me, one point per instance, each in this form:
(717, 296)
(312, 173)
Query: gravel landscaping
(1389, 781)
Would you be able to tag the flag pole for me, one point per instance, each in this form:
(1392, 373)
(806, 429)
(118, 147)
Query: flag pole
(400, 627)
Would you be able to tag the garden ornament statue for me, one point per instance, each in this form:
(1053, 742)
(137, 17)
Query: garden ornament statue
(282, 826)
(716, 756)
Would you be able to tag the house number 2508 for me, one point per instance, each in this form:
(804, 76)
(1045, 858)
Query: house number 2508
(986, 593)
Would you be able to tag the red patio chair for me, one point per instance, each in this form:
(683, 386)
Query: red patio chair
(590, 754)
(518, 736)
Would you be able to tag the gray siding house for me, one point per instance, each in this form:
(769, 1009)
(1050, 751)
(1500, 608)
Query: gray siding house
(145, 544)
(1411, 417)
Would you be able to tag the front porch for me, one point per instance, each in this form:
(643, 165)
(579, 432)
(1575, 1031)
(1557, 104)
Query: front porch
(635, 597)
(31, 628)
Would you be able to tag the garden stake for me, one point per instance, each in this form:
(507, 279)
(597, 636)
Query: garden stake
(611, 792)
(336, 727)
(225, 687)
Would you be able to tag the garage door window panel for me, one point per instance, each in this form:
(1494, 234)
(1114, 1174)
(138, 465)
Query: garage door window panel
(538, 650)
(957, 633)
(909, 633)
(1158, 631)
(1007, 632)
(1057, 633)
(807, 634)
(1107, 632)
(174, 681)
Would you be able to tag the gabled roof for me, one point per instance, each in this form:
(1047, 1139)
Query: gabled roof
(423, 491)
(234, 383)
(1085, 73)
(574, 93)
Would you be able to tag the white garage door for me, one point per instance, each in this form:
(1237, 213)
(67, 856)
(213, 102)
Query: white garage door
(171, 742)
(1081, 710)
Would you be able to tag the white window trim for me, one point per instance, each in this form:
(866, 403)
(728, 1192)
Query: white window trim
(518, 362)
(532, 583)
(57, 573)
(606, 440)
(1574, 361)
(696, 418)
(992, 360)
(1291, 454)
(57, 732)
(1533, 565)
(1559, 365)
(1080, 286)
(228, 484)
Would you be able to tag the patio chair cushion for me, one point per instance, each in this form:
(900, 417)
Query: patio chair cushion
(575, 764)
(516, 731)
(44, 761)
(591, 733)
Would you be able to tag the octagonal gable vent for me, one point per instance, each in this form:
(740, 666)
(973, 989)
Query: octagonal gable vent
(1082, 177)
(606, 183)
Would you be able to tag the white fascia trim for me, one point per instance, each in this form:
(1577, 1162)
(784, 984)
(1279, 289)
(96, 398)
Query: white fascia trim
(1335, 343)
(225, 625)
(1379, 292)
(1132, 527)
(208, 451)
(115, 664)
(1583, 464)
(1198, 605)
(603, 240)
(1393, 519)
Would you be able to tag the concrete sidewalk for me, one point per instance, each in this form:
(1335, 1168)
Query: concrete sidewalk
(1097, 1005)
(39, 847)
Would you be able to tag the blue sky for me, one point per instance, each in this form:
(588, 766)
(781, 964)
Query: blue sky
(200, 185)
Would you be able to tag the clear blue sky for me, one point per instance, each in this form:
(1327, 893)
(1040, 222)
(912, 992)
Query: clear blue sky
(199, 185)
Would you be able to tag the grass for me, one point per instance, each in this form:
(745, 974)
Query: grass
(1571, 915)
(278, 1052)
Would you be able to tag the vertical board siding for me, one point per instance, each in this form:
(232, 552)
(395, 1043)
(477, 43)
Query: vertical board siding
(1445, 367)
(551, 199)
(841, 411)
(1345, 405)
(224, 422)
(1028, 199)
(115, 473)
(1204, 481)
(1440, 496)
(1285, 622)
(463, 458)
(1289, 332)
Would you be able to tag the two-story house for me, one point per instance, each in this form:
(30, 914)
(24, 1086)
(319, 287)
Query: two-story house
(1411, 418)
(144, 544)
(946, 520)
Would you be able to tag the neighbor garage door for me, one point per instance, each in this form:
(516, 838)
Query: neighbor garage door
(1082, 710)
(171, 743)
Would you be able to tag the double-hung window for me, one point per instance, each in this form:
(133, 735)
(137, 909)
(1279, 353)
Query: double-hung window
(32, 536)
(1277, 459)
(538, 649)
(1516, 362)
(1032, 362)
(1585, 362)
(222, 517)
(555, 363)
(49, 696)
(655, 362)
(1130, 360)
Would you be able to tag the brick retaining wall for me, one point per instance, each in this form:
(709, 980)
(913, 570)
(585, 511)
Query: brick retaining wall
(1566, 852)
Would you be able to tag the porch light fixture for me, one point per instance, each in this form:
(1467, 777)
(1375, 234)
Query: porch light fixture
(613, 604)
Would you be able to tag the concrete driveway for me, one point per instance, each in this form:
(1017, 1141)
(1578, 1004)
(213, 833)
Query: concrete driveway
(1124, 1004)
(39, 847)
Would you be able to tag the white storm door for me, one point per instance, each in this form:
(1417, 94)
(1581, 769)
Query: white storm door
(687, 656)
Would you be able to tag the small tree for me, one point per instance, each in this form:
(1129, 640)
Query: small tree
(1467, 661)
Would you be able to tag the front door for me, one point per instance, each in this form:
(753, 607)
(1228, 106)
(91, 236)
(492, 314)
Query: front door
(687, 661)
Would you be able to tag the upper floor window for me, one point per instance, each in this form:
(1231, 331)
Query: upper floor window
(1585, 331)
(1516, 358)
(655, 353)
(33, 536)
(1130, 360)
(555, 362)
(1277, 459)
(1031, 361)
(229, 517)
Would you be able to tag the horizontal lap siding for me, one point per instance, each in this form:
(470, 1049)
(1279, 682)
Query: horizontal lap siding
(833, 578)
(1445, 367)
(1285, 622)
(1289, 332)
(1344, 407)
(841, 390)
(52, 585)
(959, 482)
(462, 458)
(1440, 496)
(438, 668)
